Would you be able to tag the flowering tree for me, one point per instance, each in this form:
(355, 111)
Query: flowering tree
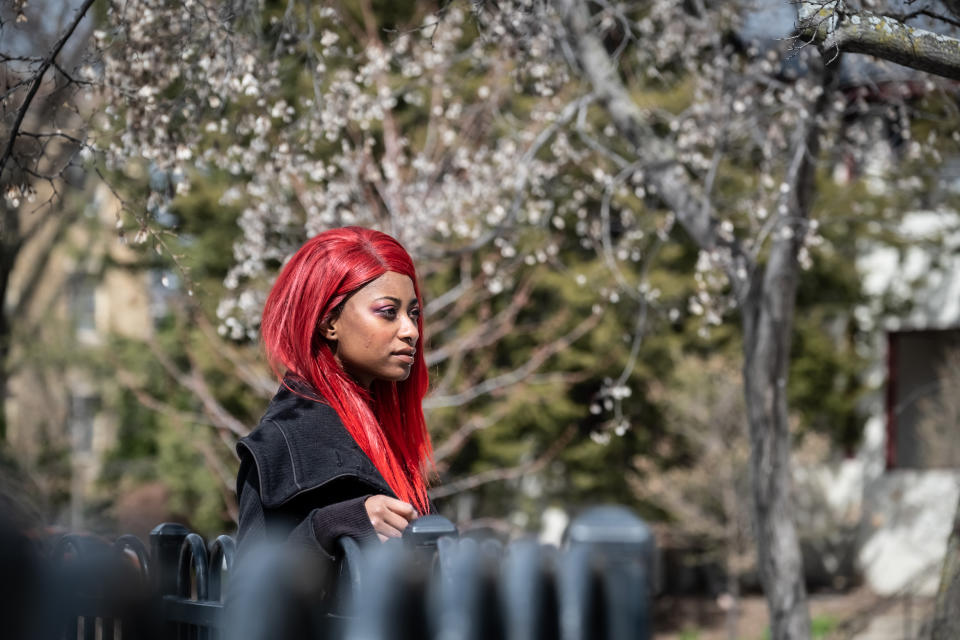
(498, 140)
(760, 253)
(463, 186)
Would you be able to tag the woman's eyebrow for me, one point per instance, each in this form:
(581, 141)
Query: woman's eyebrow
(396, 301)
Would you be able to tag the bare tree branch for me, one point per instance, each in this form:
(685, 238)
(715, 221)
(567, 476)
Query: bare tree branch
(212, 407)
(253, 376)
(486, 333)
(538, 357)
(832, 29)
(127, 381)
(906, 17)
(499, 475)
(38, 80)
(194, 382)
(664, 171)
(459, 438)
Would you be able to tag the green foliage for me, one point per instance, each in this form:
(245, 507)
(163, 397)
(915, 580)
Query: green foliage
(206, 230)
(22, 503)
(820, 627)
(690, 634)
(195, 492)
(562, 398)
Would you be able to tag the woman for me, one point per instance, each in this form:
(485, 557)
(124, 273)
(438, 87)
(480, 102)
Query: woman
(342, 449)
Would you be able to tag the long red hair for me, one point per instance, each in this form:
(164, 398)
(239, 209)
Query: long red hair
(386, 422)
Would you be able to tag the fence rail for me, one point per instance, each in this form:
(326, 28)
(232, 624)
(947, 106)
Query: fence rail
(429, 584)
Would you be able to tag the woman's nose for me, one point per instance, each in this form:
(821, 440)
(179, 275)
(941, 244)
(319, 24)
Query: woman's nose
(408, 330)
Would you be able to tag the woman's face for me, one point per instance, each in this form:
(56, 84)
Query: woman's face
(376, 331)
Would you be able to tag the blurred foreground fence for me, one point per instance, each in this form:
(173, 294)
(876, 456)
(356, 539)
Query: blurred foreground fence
(429, 584)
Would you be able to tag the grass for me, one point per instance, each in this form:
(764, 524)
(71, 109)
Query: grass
(820, 627)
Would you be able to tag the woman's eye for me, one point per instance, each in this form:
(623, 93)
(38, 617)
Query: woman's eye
(414, 313)
(389, 312)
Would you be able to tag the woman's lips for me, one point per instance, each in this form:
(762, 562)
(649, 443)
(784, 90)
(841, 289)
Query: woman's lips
(405, 357)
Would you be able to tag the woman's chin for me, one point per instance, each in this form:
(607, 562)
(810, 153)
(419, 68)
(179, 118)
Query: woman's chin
(393, 376)
(403, 374)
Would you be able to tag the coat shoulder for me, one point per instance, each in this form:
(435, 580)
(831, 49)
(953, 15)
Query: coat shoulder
(301, 444)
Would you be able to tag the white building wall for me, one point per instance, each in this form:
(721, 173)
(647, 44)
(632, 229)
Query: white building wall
(907, 514)
(907, 519)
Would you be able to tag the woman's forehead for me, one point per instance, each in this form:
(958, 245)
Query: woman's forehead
(392, 285)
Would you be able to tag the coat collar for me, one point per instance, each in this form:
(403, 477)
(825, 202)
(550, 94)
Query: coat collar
(300, 445)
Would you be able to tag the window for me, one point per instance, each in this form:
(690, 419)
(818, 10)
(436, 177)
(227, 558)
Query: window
(923, 399)
(81, 412)
(82, 289)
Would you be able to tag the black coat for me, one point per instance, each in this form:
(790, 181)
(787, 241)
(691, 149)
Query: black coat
(303, 478)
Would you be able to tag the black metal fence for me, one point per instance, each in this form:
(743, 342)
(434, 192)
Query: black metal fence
(429, 584)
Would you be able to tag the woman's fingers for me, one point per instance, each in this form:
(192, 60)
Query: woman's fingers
(400, 508)
(395, 520)
(388, 530)
(388, 516)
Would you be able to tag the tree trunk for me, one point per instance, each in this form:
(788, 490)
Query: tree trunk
(946, 617)
(3, 376)
(9, 247)
(768, 312)
(732, 509)
(767, 329)
(732, 618)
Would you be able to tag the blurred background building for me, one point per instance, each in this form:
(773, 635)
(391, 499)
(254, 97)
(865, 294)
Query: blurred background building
(76, 288)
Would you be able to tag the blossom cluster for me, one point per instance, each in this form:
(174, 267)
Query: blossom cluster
(475, 132)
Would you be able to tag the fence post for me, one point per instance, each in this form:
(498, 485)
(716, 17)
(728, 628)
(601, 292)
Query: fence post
(277, 592)
(165, 542)
(529, 592)
(625, 545)
(421, 535)
(465, 595)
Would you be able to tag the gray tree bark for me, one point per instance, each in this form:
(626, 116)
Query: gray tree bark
(946, 617)
(829, 25)
(768, 313)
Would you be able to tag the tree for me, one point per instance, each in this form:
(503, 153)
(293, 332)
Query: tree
(36, 63)
(553, 137)
(765, 294)
(287, 177)
(762, 279)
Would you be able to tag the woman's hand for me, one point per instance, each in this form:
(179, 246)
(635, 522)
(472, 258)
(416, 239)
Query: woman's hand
(389, 516)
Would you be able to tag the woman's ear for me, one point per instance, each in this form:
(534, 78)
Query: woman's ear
(328, 328)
